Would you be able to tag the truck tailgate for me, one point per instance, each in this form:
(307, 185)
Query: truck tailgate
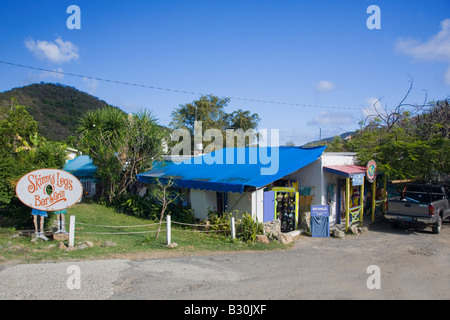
(408, 208)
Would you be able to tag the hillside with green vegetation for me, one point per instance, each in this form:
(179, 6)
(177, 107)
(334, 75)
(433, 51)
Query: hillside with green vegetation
(55, 107)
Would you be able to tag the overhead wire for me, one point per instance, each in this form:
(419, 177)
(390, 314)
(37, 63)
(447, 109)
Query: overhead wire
(175, 90)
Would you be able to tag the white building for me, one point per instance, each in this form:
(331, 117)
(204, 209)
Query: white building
(222, 186)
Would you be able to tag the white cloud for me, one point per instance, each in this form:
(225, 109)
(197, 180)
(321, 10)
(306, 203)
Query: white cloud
(331, 118)
(436, 48)
(325, 85)
(56, 52)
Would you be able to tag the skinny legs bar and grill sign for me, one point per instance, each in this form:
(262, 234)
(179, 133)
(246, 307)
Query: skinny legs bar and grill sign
(49, 190)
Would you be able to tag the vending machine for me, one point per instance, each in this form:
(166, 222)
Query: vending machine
(286, 207)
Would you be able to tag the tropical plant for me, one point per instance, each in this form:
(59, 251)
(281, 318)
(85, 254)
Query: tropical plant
(136, 205)
(248, 228)
(23, 150)
(121, 146)
(220, 223)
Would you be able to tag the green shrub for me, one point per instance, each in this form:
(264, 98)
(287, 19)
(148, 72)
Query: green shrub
(143, 207)
(248, 228)
(220, 224)
(137, 206)
(181, 214)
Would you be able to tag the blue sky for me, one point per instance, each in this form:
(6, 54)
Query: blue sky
(318, 55)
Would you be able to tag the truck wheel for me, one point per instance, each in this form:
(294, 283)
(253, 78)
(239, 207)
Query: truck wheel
(437, 227)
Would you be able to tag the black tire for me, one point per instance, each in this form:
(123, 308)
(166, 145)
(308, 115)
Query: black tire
(437, 226)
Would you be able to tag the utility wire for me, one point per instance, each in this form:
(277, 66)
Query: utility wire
(174, 90)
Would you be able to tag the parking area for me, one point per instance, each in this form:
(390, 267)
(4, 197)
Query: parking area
(410, 264)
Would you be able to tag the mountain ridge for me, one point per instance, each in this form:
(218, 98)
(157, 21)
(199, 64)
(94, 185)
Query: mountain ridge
(54, 106)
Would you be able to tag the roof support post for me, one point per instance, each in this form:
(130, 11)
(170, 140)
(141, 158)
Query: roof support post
(361, 202)
(347, 203)
(374, 190)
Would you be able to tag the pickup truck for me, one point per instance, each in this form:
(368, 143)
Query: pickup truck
(419, 205)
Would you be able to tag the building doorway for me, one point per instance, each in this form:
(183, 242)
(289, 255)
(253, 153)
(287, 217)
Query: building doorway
(222, 203)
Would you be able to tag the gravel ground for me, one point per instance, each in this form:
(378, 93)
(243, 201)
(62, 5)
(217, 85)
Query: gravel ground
(412, 264)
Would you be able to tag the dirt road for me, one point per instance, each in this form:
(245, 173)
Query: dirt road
(412, 265)
(408, 265)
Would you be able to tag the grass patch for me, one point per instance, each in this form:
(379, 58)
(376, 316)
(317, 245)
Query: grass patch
(90, 219)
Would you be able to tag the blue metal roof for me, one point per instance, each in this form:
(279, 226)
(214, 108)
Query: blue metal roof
(81, 166)
(234, 169)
